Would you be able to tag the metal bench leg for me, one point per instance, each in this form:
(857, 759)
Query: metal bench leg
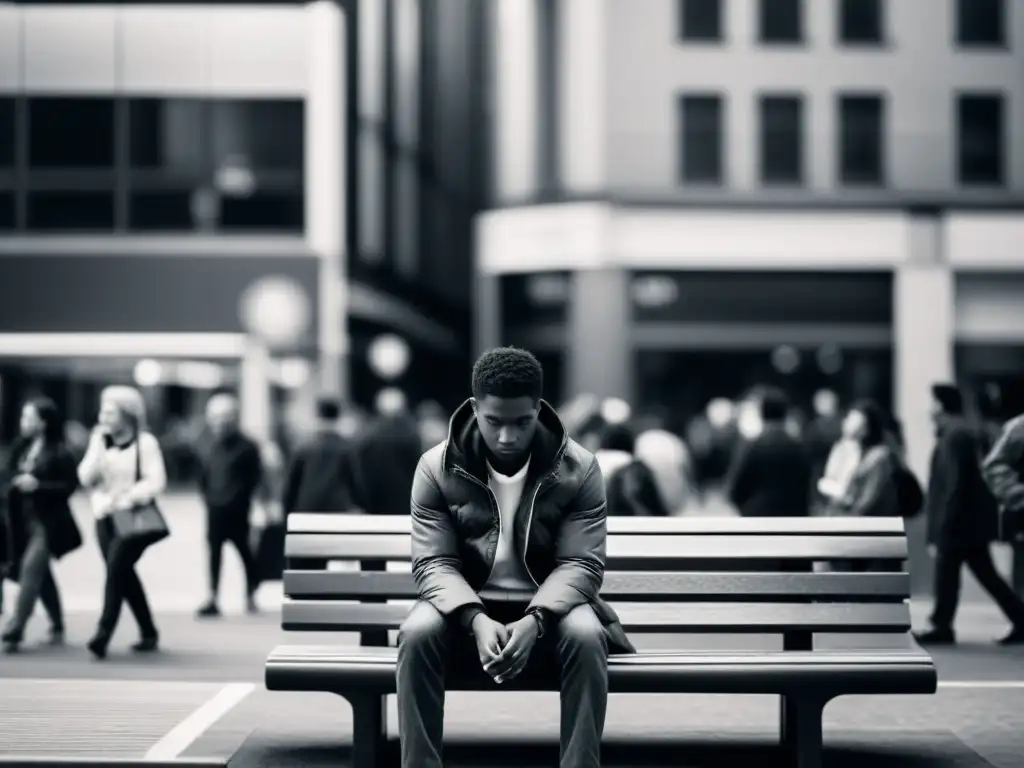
(369, 729)
(801, 730)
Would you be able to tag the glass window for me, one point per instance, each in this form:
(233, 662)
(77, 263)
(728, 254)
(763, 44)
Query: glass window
(860, 21)
(781, 139)
(980, 139)
(168, 135)
(161, 211)
(7, 139)
(700, 20)
(781, 21)
(701, 118)
(981, 22)
(7, 218)
(71, 132)
(263, 211)
(269, 134)
(71, 211)
(861, 146)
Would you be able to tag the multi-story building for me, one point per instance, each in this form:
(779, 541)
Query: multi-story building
(692, 196)
(158, 161)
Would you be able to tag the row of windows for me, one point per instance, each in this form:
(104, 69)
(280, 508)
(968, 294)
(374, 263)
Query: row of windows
(861, 149)
(151, 164)
(979, 23)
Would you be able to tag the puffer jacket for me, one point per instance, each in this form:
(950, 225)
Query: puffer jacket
(560, 533)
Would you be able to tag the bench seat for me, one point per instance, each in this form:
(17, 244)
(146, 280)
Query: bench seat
(790, 577)
(341, 670)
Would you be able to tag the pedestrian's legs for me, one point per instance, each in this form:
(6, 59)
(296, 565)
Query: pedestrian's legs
(423, 642)
(583, 654)
(947, 589)
(35, 565)
(980, 562)
(215, 543)
(49, 596)
(134, 594)
(239, 537)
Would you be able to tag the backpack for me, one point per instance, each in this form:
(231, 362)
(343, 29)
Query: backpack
(909, 493)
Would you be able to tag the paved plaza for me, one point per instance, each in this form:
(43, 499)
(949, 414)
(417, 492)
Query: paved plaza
(203, 696)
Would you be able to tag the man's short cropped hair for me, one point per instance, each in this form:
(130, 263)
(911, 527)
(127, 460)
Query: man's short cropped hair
(328, 409)
(508, 372)
(949, 398)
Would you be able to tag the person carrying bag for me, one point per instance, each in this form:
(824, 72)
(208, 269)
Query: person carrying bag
(123, 470)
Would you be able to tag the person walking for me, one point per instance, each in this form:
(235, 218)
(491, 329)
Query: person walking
(123, 468)
(230, 479)
(41, 527)
(320, 474)
(771, 473)
(630, 487)
(962, 521)
(386, 456)
(508, 458)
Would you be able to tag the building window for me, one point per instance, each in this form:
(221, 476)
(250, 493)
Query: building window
(980, 137)
(781, 21)
(861, 146)
(71, 133)
(781, 139)
(860, 22)
(216, 165)
(7, 119)
(7, 215)
(981, 22)
(70, 211)
(700, 20)
(701, 118)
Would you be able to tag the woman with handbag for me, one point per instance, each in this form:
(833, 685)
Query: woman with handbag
(123, 469)
(40, 480)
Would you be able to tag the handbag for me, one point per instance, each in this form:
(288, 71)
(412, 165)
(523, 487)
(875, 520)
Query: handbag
(144, 522)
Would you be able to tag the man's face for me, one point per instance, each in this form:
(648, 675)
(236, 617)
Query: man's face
(507, 424)
(222, 416)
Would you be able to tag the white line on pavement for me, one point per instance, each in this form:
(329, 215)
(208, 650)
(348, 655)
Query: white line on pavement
(981, 685)
(178, 739)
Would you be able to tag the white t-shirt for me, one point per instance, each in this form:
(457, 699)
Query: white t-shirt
(509, 571)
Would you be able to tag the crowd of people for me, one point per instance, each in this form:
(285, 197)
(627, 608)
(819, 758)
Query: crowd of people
(751, 455)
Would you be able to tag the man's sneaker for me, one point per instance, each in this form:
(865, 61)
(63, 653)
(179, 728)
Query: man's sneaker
(1016, 637)
(208, 611)
(936, 637)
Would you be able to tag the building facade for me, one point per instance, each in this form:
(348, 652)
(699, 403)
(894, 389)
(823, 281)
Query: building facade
(173, 176)
(692, 196)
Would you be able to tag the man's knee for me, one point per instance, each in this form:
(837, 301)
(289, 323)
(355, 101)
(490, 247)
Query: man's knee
(424, 627)
(580, 629)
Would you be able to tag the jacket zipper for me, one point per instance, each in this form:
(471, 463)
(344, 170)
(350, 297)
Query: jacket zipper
(497, 512)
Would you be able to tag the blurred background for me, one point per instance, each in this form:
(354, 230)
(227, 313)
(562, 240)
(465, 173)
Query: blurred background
(672, 203)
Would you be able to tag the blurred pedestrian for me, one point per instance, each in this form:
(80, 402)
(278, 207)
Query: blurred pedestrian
(823, 433)
(671, 464)
(386, 457)
(630, 487)
(320, 476)
(230, 478)
(771, 473)
(433, 424)
(41, 477)
(962, 521)
(123, 468)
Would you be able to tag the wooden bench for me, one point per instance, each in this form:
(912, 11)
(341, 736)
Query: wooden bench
(675, 575)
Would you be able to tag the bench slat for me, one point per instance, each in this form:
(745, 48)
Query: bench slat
(749, 618)
(632, 585)
(313, 522)
(625, 547)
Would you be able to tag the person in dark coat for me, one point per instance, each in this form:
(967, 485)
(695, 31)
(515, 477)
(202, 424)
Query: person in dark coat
(386, 457)
(320, 475)
(231, 477)
(629, 484)
(771, 474)
(41, 476)
(963, 521)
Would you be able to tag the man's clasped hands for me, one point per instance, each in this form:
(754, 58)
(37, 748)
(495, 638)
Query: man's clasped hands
(504, 649)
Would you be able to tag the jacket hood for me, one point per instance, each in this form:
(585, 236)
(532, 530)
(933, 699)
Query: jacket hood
(465, 447)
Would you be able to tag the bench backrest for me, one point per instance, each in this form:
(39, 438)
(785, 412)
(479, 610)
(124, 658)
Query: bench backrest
(663, 575)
